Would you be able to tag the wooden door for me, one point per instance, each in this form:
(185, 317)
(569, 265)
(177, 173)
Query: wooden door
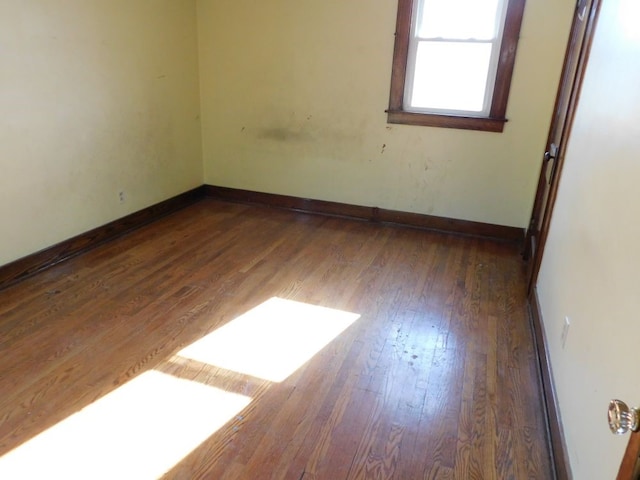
(630, 465)
(623, 419)
(566, 101)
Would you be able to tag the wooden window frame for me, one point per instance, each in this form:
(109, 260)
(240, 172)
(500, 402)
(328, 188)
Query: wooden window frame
(496, 119)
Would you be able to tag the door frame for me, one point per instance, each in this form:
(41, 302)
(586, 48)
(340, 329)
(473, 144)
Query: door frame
(576, 81)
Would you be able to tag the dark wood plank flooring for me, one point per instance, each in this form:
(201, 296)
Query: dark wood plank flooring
(436, 379)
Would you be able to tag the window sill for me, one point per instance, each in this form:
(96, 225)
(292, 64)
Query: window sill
(485, 124)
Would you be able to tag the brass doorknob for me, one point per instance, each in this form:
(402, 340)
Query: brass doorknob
(623, 419)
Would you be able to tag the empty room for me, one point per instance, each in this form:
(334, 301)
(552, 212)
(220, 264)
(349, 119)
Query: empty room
(319, 240)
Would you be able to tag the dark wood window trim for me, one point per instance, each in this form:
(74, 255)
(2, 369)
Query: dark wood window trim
(496, 119)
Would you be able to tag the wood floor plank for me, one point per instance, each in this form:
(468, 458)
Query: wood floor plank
(436, 379)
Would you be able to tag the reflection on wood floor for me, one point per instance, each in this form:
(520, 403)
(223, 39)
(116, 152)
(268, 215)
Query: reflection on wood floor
(406, 355)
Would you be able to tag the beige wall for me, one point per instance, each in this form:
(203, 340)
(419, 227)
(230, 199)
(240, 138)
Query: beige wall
(96, 97)
(103, 96)
(293, 100)
(590, 267)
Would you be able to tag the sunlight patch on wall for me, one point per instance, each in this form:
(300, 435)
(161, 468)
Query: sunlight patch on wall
(272, 340)
(629, 17)
(141, 430)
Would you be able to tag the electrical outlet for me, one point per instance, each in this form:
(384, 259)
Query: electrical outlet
(565, 331)
(121, 196)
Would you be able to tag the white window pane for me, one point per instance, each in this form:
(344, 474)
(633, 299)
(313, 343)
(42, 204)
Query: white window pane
(458, 19)
(451, 76)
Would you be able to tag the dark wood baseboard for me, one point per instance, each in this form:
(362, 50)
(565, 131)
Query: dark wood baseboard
(39, 261)
(560, 458)
(429, 222)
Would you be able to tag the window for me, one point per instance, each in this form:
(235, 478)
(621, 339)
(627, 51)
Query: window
(453, 62)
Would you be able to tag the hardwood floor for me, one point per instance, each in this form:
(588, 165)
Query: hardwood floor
(431, 373)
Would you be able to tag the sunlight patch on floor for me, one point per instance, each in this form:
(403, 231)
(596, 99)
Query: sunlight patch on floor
(145, 427)
(139, 431)
(272, 340)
